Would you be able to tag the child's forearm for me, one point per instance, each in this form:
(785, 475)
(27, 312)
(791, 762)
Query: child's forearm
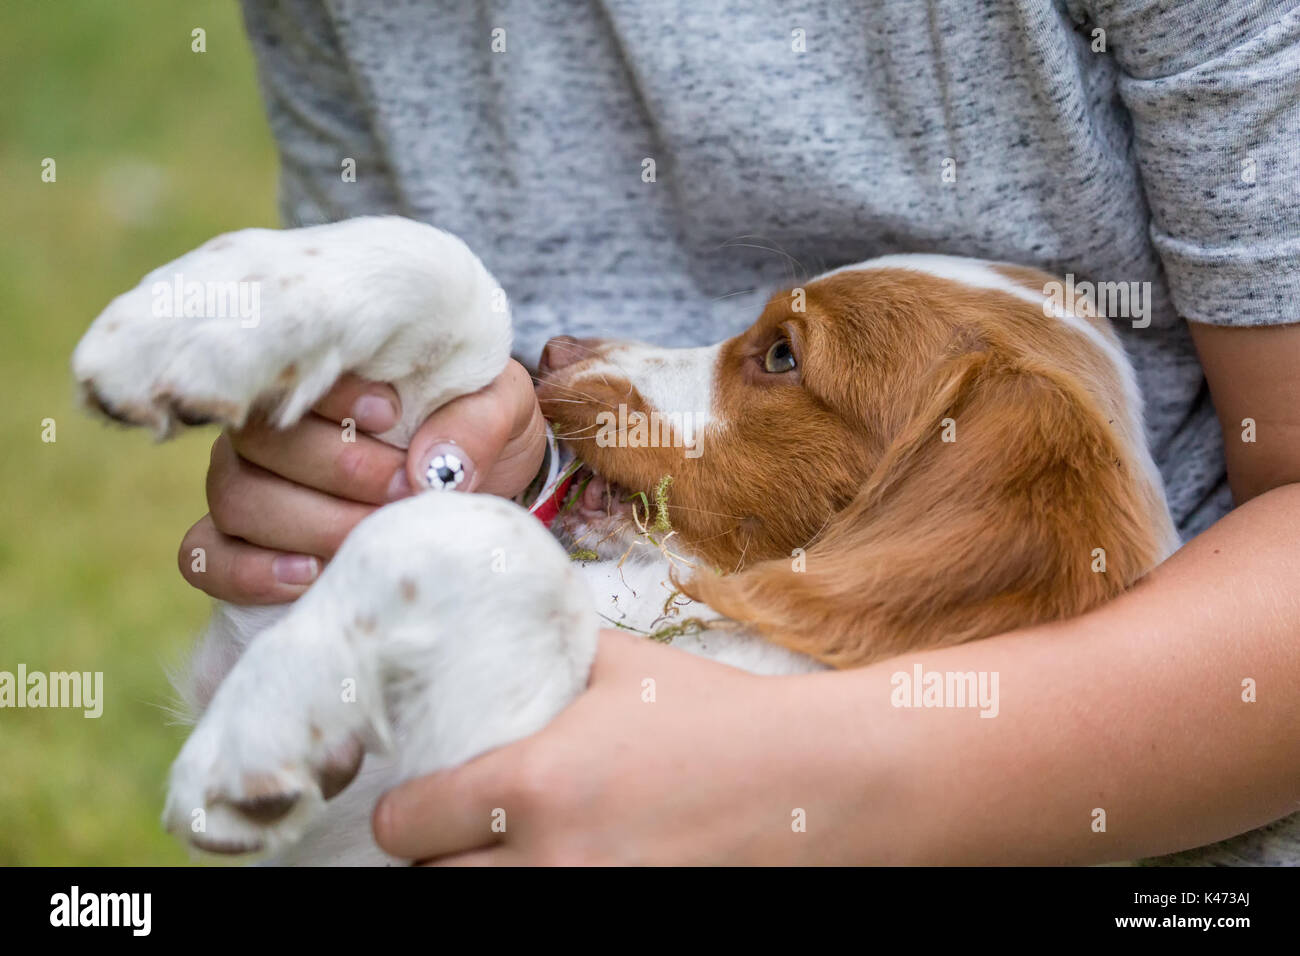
(1136, 710)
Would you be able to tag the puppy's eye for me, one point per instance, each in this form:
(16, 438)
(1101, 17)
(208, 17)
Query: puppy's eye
(779, 358)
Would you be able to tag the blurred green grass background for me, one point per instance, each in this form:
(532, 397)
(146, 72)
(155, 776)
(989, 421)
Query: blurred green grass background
(157, 149)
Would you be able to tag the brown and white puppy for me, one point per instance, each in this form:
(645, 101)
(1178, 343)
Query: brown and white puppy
(953, 455)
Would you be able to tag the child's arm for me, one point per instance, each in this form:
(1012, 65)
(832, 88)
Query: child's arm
(1135, 709)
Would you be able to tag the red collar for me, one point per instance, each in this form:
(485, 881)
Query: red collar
(547, 509)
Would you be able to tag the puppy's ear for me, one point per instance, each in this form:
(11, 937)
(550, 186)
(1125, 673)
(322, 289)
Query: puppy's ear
(1005, 499)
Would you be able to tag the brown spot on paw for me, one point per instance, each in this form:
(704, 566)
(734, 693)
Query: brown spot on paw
(93, 400)
(198, 411)
(224, 847)
(192, 419)
(340, 767)
(266, 808)
(409, 591)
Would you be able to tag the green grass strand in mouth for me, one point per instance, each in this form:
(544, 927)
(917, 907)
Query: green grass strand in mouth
(661, 524)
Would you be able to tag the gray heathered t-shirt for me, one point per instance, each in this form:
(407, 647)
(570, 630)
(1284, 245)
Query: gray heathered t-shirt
(653, 170)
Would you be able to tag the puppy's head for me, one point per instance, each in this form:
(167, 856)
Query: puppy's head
(888, 457)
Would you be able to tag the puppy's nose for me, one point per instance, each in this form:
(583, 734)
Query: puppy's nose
(563, 351)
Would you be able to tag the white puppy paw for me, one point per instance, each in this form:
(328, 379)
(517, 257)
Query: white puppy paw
(252, 779)
(447, 623)
(268, 319)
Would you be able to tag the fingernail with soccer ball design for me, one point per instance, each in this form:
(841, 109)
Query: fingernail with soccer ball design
(449, 468)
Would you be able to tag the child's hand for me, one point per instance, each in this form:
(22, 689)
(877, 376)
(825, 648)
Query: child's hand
(667, 759)
(281, 502)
